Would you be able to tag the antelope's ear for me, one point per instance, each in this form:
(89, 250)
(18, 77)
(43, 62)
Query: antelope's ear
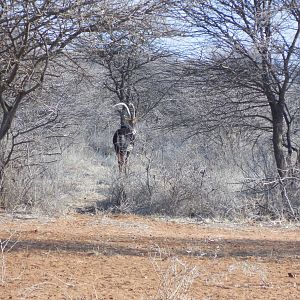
(132, 110)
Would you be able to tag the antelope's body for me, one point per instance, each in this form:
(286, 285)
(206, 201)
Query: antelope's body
(123, 139)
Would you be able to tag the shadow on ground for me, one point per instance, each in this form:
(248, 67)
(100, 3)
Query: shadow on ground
(192, 248)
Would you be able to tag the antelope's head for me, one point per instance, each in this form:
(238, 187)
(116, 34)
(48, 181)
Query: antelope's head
(130, 111)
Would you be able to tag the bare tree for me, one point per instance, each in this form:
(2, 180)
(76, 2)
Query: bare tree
(251, 58)
(126, 53)
(131, 56)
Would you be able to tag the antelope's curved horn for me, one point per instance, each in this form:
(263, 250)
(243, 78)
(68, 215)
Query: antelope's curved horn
(124, 104)
(133, 110)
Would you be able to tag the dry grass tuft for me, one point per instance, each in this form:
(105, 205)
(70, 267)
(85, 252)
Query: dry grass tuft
(175, 277)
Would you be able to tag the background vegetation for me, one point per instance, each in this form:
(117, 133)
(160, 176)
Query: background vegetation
(218, 122)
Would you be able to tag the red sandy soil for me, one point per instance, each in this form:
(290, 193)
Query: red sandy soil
(130, 257)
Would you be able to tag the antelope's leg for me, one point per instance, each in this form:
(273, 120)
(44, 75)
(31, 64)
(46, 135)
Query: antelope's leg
(122, 162)
(126, 160)
(119, 156)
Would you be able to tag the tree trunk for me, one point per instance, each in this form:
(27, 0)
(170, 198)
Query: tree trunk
(277, 111)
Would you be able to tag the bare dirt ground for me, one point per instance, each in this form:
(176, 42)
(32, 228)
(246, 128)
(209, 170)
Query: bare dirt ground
(130, 257)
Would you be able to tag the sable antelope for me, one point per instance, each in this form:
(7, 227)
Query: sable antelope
(124, 137)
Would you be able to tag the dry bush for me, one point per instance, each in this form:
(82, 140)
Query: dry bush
(266, 195)
(172, 179)
(250, 270)
(70, 181)
(197, 178)
(28, 189)
(6, 245)
(175, 277)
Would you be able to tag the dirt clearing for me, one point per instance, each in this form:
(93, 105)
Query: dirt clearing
(130, 257)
